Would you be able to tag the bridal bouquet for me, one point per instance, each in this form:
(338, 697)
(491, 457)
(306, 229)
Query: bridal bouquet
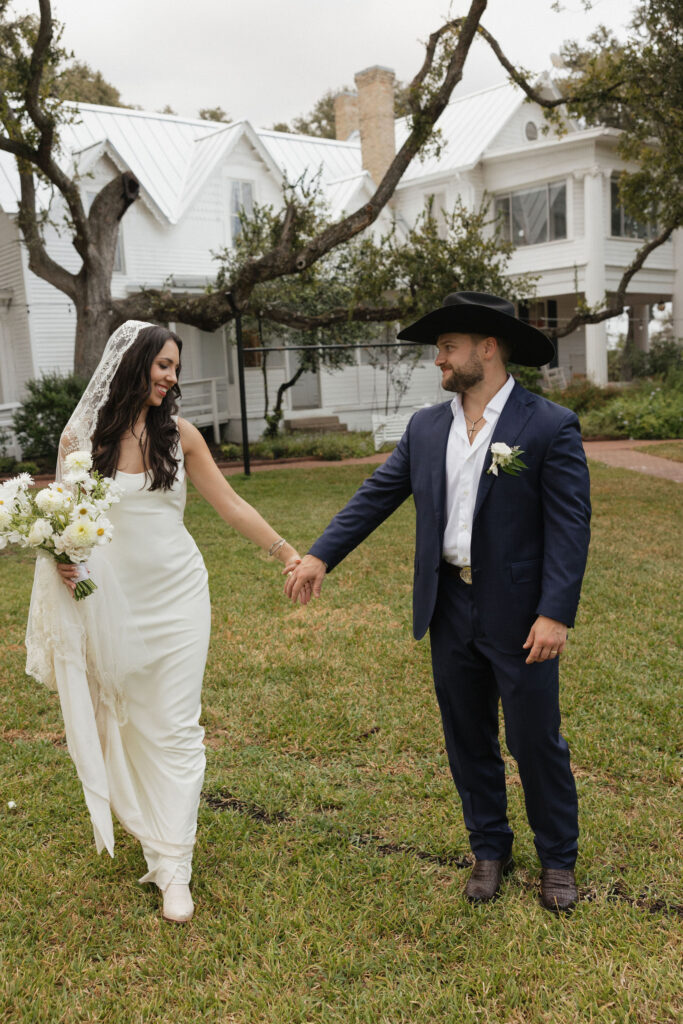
(66, 519)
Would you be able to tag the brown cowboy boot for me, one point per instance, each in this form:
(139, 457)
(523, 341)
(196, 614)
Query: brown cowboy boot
(483, 884)
(558, 889)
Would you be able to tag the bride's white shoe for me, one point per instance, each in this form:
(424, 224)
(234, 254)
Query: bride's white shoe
(178, 905)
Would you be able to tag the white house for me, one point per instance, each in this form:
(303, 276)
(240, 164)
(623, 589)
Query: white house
(555, 196)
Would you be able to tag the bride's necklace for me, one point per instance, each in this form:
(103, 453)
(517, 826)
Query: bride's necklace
(472, 429)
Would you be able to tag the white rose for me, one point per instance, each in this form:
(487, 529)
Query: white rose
(82, 534)
(500, 449)
(76, 476)
(78, 462)
(39, 532)
(52, 499)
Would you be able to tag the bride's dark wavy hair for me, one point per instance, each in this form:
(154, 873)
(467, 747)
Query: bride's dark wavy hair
(129, 391)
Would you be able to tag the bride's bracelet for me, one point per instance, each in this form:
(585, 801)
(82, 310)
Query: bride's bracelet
(275, 546)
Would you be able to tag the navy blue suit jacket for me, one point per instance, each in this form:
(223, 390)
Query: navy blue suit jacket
(530, 532)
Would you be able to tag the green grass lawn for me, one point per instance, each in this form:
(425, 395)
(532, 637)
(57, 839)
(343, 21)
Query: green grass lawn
(668, 450)
(330, 860)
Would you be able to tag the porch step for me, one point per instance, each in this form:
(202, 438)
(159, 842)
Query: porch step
(317, 425)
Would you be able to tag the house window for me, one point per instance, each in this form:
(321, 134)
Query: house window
(241, 202)
(623, 225)
(531, 131)
(118, 255)
(534, 215)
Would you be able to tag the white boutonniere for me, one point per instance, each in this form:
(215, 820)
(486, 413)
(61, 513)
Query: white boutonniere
(506, 458)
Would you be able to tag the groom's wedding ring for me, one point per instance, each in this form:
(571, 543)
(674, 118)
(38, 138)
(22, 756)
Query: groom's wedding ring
(553, 652)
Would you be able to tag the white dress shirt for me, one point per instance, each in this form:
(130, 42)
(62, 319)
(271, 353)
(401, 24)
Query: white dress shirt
(464, 465)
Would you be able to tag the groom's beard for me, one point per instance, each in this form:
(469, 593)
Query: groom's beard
(466, 377)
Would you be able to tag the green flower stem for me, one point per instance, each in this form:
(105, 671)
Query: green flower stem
(83, 588)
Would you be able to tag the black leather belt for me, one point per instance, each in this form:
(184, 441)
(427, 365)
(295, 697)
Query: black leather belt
(463, 572)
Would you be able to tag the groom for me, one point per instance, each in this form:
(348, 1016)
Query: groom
(501, 490)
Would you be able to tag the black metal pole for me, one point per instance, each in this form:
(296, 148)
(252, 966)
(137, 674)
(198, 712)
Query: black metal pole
(243, 395)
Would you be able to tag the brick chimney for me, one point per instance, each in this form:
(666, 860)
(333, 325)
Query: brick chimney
(375, 88)
(345, 115)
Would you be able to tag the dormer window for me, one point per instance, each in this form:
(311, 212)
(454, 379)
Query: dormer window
(241, 203)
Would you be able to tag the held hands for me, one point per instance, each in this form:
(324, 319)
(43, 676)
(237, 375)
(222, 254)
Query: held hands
(305, 580)
(547, 639)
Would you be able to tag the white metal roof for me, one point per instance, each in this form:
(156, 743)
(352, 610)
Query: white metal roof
(468, 125)
(304, 154)
(172, 156)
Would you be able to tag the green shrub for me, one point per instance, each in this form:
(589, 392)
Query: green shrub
(7, 463)
(4, 441)
(664, 355)
(27, 467)
(583, 396)
(528, 376)
(231, 451)
(332, 447)
(44, 413)
(653, 414)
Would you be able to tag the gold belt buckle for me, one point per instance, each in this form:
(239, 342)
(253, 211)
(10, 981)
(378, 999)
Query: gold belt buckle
(466, 573)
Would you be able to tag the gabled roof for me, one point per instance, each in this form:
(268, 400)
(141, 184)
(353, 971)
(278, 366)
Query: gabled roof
(173, 156)
(210, 150)
(304, 154)
(347, 194)
(468, 126)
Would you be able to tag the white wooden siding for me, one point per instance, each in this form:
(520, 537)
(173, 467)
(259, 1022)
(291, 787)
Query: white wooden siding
(17, 362)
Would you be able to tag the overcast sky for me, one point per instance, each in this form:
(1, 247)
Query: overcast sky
(269, 60)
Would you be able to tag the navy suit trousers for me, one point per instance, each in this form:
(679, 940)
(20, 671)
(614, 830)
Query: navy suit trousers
(470, 676)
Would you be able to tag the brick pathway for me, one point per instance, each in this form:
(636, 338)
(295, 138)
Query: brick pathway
(622, 454)
(625, 455)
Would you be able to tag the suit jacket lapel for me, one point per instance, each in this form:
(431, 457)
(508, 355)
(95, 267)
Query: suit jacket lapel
(439, 443)
(516, 412)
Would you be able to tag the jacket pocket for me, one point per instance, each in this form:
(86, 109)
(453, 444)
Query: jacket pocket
(526, 572)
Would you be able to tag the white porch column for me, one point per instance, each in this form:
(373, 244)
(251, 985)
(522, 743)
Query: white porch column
(595, 230)
(678, 284)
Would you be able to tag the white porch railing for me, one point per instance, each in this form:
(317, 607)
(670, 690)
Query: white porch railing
(389, 428)
(6, 412)
(204, 403)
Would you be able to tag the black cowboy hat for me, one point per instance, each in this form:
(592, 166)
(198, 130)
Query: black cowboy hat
(481, 313)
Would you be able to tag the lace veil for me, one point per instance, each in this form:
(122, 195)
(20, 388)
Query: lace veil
(79, 430)
(95, 635)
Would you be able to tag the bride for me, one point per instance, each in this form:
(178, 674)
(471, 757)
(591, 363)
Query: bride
(128, 660)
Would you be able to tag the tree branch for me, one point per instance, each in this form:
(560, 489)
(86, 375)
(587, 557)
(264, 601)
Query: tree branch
(617, 307)
(281, 261)
(39, 58)
(331, 317)
(208, 312)
(39, 261)
(533, 94)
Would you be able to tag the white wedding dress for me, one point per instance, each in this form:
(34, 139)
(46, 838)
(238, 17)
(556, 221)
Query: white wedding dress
(134, 736)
